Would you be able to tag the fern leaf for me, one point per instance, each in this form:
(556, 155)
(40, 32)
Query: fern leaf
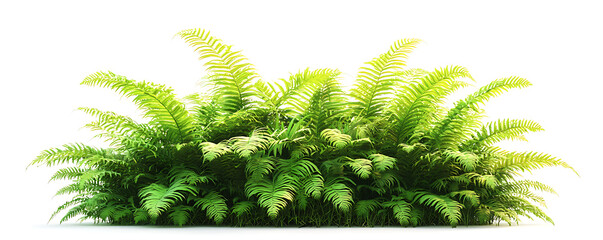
(257, 168)
(448, 208)
(416, 103)
(69, 153)
(504, 129)
(157, 198)
(365, 208)
(338, 193)
(361, 167)
(242, 208)
(313, 186)
(375, 81)
(215, 206)
(260, 139)
(527, 161)
(321, 101)
(212, 151)
(180, 215)
(467, 160)
(229, 70)
(471, 198)
(141, 216)
(401, 210)
(157, 101)
(272, 195)
(335, 138)
(461, 120)
(382, 162)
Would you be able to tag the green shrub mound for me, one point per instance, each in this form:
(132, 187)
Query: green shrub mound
(303, 151)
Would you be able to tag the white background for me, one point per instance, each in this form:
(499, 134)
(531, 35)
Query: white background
(48, 47)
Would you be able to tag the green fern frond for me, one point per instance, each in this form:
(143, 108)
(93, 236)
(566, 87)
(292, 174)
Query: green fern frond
(67, 173)
(335, 138)
(242, 208)
(120, 129)
(180, 215)
(92, 175)
(320, 101)
(313, 186)
(158, 198)
(375, 81)
(68, 204)
(365, 208)
(468, 197)
(215, 206)
(448, 208)
(299, 168)
(361, 167)
(229, 70)
(157, 101)
(461, 120)
(258, 167)
(526, 185)
(273, 195)
(504, 129)
(188, 176)
(212, 151)
(382, 162)
(259, 139)
(141, 216)
(415, 103)
(467, 160)
(401, 210)
(69, 153)
(338, 193)
(526, 162)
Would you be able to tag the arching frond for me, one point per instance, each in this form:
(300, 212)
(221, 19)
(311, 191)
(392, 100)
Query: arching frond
(361, 167)
(283, 93)
(335, 138)
(69, 153)
(242, 208)
(415, 103)
(448, 208)
(212, 151)
(321, 101)
(525, 162)
(468, 197)
(365, 208)
(273, 195)
(158, 198)
(338, 193)
(313, 186)
(452, 129)
(503, 129)
(382, 162)
(214, 205)
(401, 210)
(257, 168)
(467, 160)
(180, 215)
(259, 139)
(157, 101)
(229, 70)
(376, 78)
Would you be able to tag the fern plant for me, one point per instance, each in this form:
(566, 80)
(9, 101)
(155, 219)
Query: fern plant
(301, 151)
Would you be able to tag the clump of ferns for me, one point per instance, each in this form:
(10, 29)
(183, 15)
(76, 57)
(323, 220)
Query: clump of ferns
(302, 151)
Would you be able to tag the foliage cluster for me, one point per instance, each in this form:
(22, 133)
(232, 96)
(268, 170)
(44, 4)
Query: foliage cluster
(302, 151)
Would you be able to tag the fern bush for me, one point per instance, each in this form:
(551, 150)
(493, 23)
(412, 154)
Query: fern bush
(302, 151)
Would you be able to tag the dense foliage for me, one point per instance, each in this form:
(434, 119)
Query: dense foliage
(302, 151)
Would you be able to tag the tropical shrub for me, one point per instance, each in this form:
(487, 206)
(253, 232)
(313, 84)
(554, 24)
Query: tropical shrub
(302, 151)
